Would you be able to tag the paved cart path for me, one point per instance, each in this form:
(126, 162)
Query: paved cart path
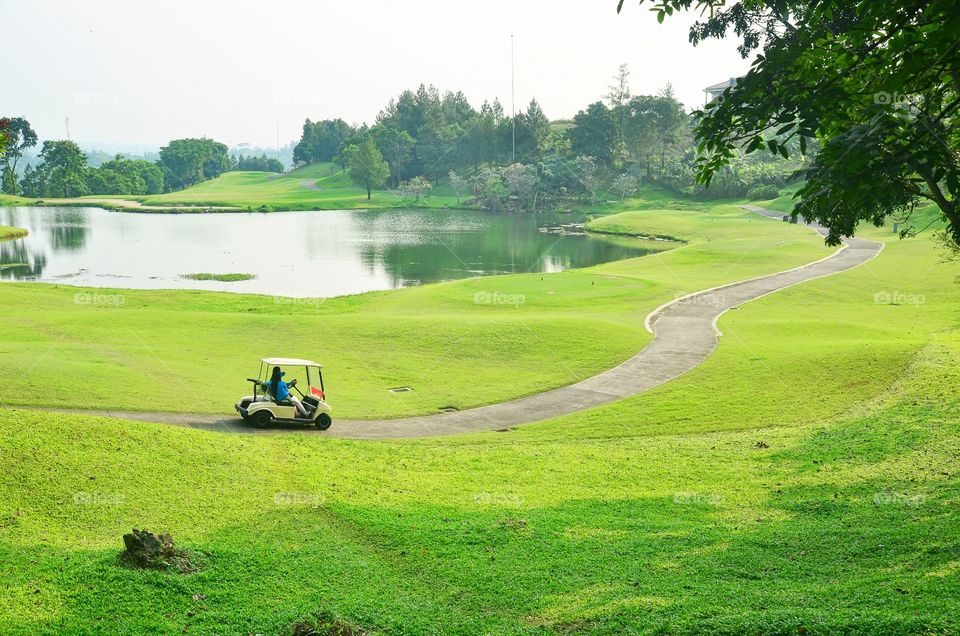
(684, 331)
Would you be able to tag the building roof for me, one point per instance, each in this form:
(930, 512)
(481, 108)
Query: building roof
(722, 85)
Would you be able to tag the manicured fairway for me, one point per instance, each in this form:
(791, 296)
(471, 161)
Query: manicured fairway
(191, 351)
(802, 480)
(322, 186)
(650, 516)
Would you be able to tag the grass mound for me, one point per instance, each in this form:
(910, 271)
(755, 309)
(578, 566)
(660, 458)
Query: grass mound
(7, 233)
(223, 278)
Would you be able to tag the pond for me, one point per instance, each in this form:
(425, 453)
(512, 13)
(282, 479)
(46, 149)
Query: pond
(299, 254)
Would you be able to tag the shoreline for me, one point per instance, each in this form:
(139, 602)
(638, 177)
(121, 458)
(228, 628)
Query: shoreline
(136, 207)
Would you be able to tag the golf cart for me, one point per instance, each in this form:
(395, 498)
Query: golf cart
(262, 409)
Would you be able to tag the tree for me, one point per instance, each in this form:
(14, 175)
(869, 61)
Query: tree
(190, 161)
(367, 167)
(19, 136)
(586, 171)
(521, 181)
(258, 164)
(396, 145)
(457, 182)
(877, 82)
(33, 183)
(487, 186)
(618, 97)
(142, 176)
(595, 133)
(416, 186)
(533, 127)
(625, 184)
(4, 134)
(62, 171)
(321, 140)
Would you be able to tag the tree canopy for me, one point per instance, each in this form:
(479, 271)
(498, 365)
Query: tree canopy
(186, 162)
(366, 165)
(875, 82)
(18, 137)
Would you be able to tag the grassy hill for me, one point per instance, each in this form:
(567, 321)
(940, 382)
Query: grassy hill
(320, 186)
(802, 480)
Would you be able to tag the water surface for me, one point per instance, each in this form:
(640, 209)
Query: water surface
(300, 254)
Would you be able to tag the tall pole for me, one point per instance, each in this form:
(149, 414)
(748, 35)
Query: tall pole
(278, 141)
(66, 120)
(513, 108)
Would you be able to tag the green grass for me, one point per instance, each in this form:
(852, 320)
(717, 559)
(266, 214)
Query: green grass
(7, 232)
(804, 476)
(224, 278)
(321, 186)
(435, 339)
(330, 189)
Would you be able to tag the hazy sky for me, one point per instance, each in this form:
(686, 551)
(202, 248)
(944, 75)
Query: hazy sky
(138, 72)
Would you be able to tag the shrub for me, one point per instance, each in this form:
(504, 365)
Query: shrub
(763, 192)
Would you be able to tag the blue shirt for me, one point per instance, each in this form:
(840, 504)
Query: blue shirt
(282, 393)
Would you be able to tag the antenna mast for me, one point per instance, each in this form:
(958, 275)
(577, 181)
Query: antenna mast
(513, 108)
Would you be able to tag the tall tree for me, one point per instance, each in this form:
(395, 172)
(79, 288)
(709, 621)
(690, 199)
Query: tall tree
(396, 145)
(595, 133)
(63, 166)
(367, 167)
(533, 127)
(877, 82)
(20, 136)
(619, 96)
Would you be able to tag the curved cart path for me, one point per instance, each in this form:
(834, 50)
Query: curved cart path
(684, 331)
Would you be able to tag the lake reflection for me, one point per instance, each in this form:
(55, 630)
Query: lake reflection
(304, 254)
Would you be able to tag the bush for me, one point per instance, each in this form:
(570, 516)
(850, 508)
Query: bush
(763, 192)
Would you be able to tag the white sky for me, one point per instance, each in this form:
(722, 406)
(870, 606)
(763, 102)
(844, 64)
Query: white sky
(139, 72)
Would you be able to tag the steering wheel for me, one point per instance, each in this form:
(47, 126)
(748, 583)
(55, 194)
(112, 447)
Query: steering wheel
(293, 383)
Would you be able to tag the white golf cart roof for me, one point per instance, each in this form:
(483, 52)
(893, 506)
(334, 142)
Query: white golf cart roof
(290, 362)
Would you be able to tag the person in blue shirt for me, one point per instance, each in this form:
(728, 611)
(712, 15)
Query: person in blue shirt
(280, 390)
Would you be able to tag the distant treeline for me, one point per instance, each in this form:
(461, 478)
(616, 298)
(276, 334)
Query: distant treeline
(611, 145)
(63, 170)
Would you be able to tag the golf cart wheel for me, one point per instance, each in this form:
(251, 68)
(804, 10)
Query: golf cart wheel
(261, 419)
(323, 422)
